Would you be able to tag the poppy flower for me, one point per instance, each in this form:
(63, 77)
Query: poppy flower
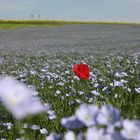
(82, 71)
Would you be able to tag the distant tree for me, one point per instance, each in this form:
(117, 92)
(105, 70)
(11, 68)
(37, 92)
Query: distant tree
(39, 16)
(32, 16)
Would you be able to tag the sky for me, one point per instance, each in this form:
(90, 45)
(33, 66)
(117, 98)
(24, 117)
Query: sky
(83, 10)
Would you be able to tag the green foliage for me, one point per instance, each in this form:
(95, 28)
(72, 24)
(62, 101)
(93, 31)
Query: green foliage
(127, 102)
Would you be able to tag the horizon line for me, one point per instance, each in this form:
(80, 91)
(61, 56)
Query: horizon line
(77, 21)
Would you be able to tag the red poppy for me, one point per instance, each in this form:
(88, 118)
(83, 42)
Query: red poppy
(82, 71)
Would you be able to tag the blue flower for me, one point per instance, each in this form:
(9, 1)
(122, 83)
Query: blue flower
(53, 136)
(72, 123)
(108, 115)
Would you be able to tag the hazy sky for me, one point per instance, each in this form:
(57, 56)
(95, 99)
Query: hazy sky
(95, 10)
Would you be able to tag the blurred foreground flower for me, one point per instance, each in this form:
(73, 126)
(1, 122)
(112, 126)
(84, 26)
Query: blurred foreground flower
(18, 98)
(108, 115)
(131, 129)
(87, 114)
(72, 122)
(104, 123)
(70, 136)
(82, 71)
(97, 134)
(53, 136)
